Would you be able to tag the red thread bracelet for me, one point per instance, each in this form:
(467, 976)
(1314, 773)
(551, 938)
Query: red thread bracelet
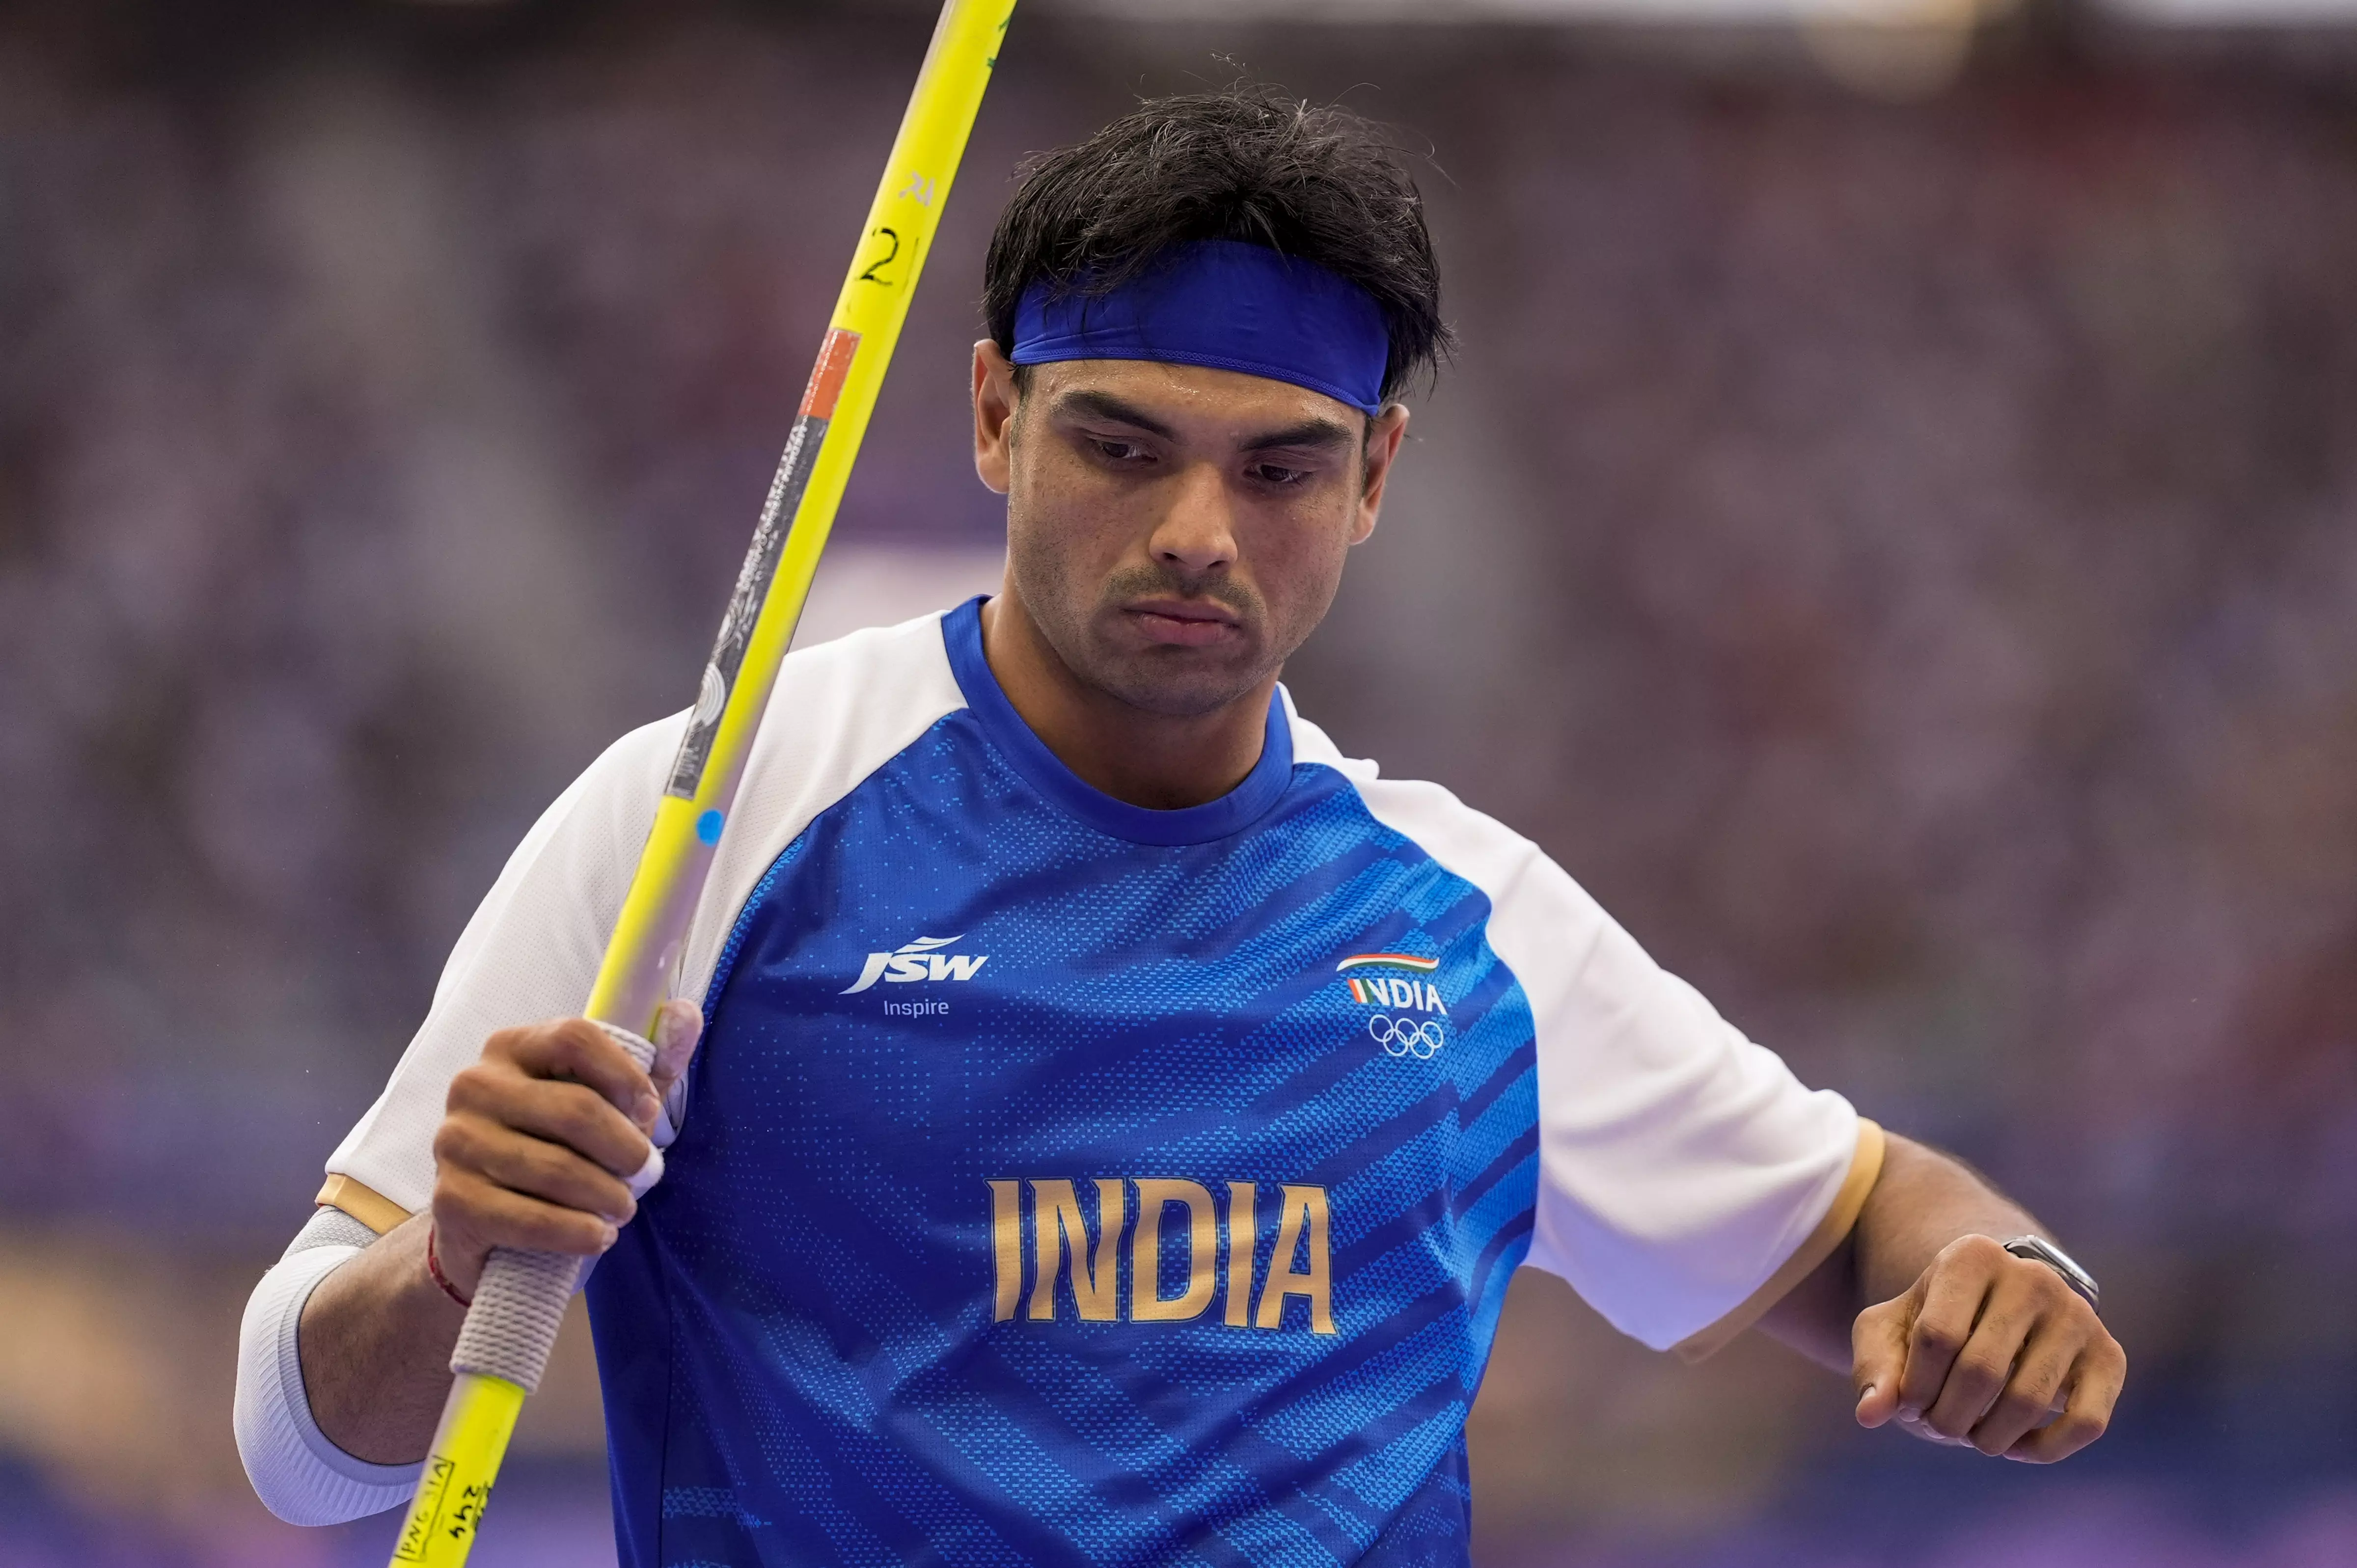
(433, 1267)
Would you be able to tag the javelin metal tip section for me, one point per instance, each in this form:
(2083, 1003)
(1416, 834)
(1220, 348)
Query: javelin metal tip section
(761, 569)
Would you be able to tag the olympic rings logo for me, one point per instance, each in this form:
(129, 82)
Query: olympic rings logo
(1406, 1037)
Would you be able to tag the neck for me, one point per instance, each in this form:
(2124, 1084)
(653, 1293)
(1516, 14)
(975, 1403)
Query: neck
(1160, 761)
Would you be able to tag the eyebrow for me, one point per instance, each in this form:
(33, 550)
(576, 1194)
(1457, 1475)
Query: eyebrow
(1312, 434)
(1104, 405)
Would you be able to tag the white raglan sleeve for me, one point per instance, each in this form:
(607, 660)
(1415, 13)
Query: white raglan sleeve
(530, 953)
(532, 948)
(1687, 1179)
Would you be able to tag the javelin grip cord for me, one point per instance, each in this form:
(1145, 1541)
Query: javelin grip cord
(511, 1325)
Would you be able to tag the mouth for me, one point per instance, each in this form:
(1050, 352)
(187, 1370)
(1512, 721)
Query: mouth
(1184, 623)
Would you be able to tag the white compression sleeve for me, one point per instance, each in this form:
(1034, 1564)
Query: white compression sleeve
(299, 1474)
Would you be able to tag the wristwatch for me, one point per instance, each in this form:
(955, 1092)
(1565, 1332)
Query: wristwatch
(2038, 1249)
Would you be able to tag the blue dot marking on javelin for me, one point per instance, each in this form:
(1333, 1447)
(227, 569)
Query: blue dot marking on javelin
(707, 827)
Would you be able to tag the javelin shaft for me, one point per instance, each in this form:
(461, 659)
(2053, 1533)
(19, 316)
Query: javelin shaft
(504, 1345)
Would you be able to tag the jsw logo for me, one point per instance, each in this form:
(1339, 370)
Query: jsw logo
(917, 960)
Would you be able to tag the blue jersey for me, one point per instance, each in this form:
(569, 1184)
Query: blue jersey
(1063, 1182)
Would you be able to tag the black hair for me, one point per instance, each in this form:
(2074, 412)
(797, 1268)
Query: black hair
(1246, 163)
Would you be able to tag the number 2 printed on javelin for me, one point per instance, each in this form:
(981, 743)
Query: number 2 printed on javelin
(892, 236)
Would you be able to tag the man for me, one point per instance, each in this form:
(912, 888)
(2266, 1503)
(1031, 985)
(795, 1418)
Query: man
(1119, 1114)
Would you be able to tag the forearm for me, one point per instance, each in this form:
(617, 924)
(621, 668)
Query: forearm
(375, 1340)
(1922, 1201)
(533, 1155)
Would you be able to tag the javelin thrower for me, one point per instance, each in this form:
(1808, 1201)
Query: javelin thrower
(1098, 1117)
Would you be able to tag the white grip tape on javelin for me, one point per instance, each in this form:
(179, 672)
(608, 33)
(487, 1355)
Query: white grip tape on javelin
(520, 1304)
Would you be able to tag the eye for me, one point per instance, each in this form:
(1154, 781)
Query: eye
(1127, 453)
(1276, 474)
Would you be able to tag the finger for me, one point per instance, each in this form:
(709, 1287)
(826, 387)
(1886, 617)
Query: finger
(1982, 1368)
(472, 1215)
(531, 1167)
(2094, 1382)
(572, 1114)
(2035, 1389)
(1953, 1289)
(576, 1049)
(679, 1024)
(1879, 1356)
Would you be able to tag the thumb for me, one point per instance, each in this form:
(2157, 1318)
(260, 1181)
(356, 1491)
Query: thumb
(1879, 1348)
(679, 1024)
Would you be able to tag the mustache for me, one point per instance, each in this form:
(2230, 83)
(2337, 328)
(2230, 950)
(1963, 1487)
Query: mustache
(1161, 580)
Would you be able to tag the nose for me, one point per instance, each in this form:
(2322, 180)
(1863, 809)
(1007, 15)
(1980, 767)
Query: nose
(1197, 533)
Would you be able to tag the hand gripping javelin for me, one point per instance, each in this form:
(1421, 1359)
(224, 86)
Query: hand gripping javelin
(504, 1348)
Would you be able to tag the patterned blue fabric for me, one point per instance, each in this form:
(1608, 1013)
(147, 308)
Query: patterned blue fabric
(826, 1339)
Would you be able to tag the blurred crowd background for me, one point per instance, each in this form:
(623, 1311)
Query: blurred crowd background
(1890, 531)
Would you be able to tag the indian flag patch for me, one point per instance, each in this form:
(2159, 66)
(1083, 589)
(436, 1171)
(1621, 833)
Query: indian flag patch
(1389, 961)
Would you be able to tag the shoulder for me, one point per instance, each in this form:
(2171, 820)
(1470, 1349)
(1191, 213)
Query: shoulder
(1528, 892)
(909, 659)
(839, 712)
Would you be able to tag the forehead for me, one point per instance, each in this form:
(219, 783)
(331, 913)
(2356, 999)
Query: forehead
(1195, 400)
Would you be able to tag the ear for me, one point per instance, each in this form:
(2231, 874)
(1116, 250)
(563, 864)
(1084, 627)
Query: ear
(1385, 433)
(994, 402)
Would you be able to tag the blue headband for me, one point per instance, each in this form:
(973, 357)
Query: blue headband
(1226, 305)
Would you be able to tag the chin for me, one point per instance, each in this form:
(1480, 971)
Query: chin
(1177, 692)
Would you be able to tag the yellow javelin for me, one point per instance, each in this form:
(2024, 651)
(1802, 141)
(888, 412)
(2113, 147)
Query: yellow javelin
(504, 1345)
